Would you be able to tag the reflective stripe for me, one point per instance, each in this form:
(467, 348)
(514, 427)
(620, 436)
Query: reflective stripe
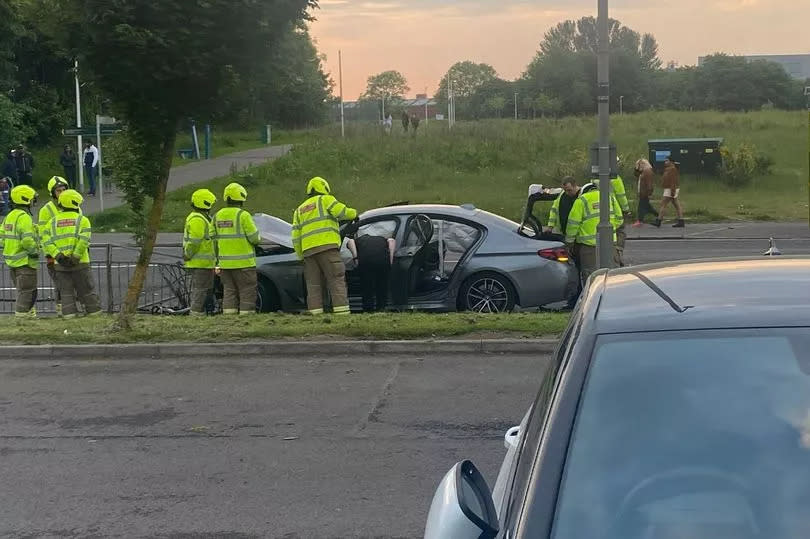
(316, 311)
(237, 257)
(585, 238)
(18, 256)
(204, 257)
(332, 205)
(342, 214)
(230, 236)
(313, 232)
(230, 311)
(341, 310)
(192, 240)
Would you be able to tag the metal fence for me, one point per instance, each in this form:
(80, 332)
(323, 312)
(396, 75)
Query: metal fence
(166, 288)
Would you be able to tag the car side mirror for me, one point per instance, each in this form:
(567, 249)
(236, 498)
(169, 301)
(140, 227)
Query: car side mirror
(462, 507)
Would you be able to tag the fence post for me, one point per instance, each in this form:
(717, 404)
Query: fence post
(110, 302)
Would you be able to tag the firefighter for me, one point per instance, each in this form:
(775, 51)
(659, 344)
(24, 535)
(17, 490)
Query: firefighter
(316, 238)
(21, 249)
(198, 248)
(581, 230)
(66, 239)
(56, 186)
(236, 238)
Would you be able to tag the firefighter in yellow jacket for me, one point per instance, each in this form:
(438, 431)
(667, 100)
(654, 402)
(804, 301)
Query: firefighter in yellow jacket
(21, 249)
(236, 237)
(198, 248)
(56, 186)
(66, 239)
(581, 230)
(316, 238)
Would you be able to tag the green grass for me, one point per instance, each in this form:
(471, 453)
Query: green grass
(161, 329)
(491, 163)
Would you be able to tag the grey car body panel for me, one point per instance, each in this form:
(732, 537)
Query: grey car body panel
(499, 249)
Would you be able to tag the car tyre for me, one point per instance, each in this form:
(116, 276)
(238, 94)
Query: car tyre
(487, 292)
(267, 299)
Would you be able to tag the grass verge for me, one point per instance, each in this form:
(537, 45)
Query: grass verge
(156, 329)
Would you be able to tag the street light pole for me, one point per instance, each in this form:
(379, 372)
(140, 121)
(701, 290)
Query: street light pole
(340, 71)
(604, 239)
(516, 94)
(79, 152)
(426, 107)
(621, 105)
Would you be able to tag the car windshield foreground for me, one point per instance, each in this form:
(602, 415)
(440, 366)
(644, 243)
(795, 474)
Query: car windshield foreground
(698, 434)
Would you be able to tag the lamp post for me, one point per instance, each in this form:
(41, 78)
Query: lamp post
(79, 152)
(604, 238)
(340, 71)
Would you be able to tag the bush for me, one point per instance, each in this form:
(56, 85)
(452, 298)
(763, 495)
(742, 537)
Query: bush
(741, 164)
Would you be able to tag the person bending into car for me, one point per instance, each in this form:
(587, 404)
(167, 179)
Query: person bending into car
(374, 256)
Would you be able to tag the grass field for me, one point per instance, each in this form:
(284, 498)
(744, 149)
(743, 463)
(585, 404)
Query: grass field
(159, 329)
(491, 164)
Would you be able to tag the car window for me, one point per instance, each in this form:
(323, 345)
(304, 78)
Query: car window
(385, 229)
(452, 240)
(698, 435)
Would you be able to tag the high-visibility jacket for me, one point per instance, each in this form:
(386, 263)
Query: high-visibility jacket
(198, 241)
(68, 233)
(617, 190)
(236, 236)
(584, 219)
(46, 213)
(316, 223)
(19, 240)
(554, 214)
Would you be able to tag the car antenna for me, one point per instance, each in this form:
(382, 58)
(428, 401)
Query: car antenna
(663, 295)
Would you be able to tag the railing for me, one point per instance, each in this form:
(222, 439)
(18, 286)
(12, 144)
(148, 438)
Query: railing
(166, 288)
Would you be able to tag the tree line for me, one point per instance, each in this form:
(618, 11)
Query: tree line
(561, 79)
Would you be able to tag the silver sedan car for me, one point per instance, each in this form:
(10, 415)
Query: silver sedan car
(446, 258)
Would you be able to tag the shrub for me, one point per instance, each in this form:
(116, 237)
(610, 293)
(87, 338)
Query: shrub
(741, 164)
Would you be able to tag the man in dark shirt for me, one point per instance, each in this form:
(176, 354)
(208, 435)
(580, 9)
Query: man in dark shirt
(558, 216)
(25, 166)
(374, 259)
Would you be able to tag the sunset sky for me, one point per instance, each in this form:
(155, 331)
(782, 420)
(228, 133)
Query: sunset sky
(423, 38)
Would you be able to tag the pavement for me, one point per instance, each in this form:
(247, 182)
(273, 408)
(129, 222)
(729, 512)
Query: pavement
(198, 171)
(281, 447)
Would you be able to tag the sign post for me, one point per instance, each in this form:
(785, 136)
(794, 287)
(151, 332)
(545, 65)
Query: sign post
(106, 120)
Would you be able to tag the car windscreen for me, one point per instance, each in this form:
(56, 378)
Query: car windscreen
(699, 434)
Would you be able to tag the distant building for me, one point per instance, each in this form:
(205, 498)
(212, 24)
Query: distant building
(796, 65)
(369, 111)
(418, 106)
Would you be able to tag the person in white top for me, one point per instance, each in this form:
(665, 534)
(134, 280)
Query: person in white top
(90, 164)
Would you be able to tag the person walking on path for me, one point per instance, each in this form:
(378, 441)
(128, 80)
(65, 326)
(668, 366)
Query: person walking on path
(56, 186)
(198, 249)
(68, 161)
(646, 185)
(671, 183)
(414, 123)
(25, 166)
(10, 167)
(20, 245)
(406, 120)
(90, 164)
(316, 239)
(236, 238)
(66, 239)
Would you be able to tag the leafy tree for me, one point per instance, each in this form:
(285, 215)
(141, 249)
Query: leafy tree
(160, 63)
(468, 78)
(388, 84)
(13, 128)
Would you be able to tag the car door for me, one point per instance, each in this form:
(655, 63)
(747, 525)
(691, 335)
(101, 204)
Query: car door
(386, 227)
(409, 258)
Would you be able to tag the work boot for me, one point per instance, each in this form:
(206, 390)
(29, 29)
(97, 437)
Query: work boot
(657, 223)
(679, 224)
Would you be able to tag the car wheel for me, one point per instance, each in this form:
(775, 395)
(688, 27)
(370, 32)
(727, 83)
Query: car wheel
(487, 293)
(267, 299)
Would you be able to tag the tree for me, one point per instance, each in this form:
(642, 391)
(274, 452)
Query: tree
(468, 78)
(161, 63)
(386, 85)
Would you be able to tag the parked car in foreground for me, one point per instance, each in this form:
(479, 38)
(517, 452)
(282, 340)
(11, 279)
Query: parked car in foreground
(447, 258)
(677, 405)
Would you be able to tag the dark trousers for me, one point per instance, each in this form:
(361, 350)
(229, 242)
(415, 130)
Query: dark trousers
(374, 280)
(25, 178)
(91, 179)
(644, 208)
(70, 176)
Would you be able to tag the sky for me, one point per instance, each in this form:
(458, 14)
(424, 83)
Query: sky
(423, 38)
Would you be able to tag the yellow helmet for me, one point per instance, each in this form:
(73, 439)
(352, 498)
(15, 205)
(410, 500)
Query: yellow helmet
(56, 181)
(71, 199)
(318, 185)
(203, 199)
(23, 195)
(234, 193)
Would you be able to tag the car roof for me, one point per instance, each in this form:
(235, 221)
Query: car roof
(702, 294)
(466, 211)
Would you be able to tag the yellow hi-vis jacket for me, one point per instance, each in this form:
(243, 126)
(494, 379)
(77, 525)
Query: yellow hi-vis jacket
(19, 240)
(617, 190)
(584, 219)
(68, 233)
(46, 213)
(198, 242)
(316, 223)
(236, 236)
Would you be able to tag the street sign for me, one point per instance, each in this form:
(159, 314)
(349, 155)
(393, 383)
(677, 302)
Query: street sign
(106, 129)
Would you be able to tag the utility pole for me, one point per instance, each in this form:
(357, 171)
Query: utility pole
(621, 105)
(604, 238)
(516, 105)
(80, 150)
(426, 107)
(340, 71)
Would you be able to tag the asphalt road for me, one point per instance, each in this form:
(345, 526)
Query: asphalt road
(281, 447)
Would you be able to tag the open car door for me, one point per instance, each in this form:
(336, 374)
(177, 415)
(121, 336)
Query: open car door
(410, 257)
(532, 226)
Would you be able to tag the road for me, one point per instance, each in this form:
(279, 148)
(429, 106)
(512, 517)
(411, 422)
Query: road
(276, 447)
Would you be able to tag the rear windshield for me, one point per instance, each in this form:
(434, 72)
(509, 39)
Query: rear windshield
(692, 435)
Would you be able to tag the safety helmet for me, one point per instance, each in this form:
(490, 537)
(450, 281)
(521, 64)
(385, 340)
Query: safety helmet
(318, 185)
(203, 199)
(56, 181)
(71, 199)
(588, 187)
(23, 195)
(234, 193)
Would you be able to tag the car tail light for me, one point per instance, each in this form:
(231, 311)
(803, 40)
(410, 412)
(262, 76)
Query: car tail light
(558, 254)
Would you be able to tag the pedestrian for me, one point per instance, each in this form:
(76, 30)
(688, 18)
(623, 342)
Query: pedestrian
(646, 185)
(25, 166)
(374, 256)
(68, 162)
(316, 239)
(66, 239)
(10, 167)
(414, 123)
(236, 238)
(388, 124)
(21, 249)
(561, 207)
(406, 120)
(56, 186)
(581, 229)
(670, 181)
(5, 195)
(198, 249)
(90, 164)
